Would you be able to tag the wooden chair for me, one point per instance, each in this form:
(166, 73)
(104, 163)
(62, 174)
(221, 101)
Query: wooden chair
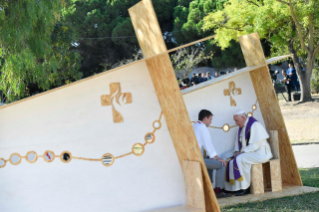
(267, 176)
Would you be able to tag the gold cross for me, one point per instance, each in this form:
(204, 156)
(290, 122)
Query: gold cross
(232, 91)
(116, 98)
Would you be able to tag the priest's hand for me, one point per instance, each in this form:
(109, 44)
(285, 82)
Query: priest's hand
(236, 154)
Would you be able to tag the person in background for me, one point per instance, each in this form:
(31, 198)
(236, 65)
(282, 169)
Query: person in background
(235, 69)
(204, 77)
(216, 74)
(194, 80)
(293, 76)
(186, 81)
(287, 82)
(228, 72)
(208, 77)
(200, 77)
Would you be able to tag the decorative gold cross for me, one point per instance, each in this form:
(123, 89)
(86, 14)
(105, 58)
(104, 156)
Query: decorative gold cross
(232, 91)
(116, 99)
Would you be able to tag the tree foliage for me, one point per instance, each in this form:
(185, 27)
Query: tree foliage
(290, 26)
(105, 32)
(185, 60)
(34, 43)
(188, 19)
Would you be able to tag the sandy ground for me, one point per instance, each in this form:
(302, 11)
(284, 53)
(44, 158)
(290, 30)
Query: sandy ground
(302, 120)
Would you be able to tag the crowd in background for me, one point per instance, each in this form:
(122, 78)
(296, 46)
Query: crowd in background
(199, 78)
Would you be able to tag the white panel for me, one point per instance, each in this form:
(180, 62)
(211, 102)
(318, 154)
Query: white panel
(73, 119)
(212, 98)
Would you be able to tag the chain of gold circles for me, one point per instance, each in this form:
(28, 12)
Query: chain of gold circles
(226, 127)
(107, 159)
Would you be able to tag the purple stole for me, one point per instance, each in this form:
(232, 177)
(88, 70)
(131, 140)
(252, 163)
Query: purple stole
(237, 174)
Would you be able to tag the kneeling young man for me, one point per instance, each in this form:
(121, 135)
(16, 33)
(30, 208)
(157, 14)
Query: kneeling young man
(204, 142)
(251, 147)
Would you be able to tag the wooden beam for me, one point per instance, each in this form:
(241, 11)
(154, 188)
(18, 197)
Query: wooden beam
(172, 103)
(257, 179)
(194, 184)
(276, 181)
(275, 59)
(269, 106)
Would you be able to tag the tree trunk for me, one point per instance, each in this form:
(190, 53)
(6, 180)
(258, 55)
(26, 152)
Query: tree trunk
(304, 76)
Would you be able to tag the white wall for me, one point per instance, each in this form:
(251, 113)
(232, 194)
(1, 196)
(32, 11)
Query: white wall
(73, 119)
(212, 98)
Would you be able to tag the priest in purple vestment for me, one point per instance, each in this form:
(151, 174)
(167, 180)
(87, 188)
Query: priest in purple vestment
(251, 147)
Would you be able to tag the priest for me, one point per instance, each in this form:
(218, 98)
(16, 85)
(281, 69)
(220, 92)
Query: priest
(251, 147)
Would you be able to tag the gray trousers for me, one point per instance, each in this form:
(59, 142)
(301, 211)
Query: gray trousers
(212, 164)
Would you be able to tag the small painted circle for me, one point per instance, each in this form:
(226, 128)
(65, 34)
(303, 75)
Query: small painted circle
(226, 127)
(32, 157)
(250, 114)
(138, 149)
(66, 157)
(2, 163)
(157, 125)
(107, 159)
(149, 138)
(15, 158)
(49, 156)
(254, 107)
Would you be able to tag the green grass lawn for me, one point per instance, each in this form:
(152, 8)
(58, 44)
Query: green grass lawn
(305, 202)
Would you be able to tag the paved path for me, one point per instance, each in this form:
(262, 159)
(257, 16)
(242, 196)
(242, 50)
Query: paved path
(307, 156)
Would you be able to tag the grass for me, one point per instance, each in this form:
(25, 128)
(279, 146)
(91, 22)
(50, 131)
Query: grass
(301, 120)
(305, 202)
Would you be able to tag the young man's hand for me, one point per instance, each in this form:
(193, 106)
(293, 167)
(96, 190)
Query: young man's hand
(222, 161)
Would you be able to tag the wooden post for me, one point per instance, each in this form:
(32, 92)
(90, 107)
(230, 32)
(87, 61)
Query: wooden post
(257, 182)
(172, 103)
(194, 184)
(269, 106)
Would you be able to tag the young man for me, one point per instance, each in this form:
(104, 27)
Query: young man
(205, 143)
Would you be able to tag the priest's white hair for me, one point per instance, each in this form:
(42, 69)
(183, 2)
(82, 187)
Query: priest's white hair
(240, 113)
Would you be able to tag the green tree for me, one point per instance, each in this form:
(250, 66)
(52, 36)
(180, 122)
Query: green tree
(188, 22)
(105, 32)
(32, 50)
(184, 60)
(289, 26)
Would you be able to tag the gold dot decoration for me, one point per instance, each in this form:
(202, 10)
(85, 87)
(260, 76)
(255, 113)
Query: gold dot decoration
(66, 157)
(149, 138)
(250, 114)
(157, 125)
(15, 158)
(138, 149)
(3, 162)
(226, 127)
(32, 157)
(254, 107)
(49, 156)
(107, 159)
